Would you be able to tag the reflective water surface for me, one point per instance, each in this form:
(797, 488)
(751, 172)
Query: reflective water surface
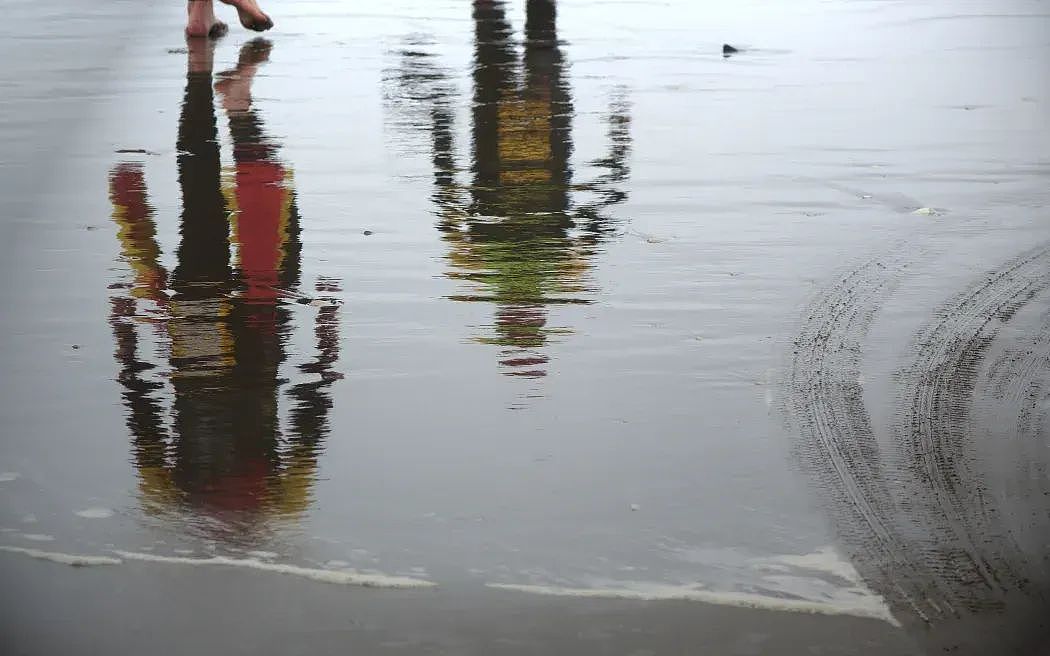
(546, 301)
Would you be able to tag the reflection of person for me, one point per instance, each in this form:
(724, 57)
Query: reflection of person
(225, 322)
(520, 164)
(518, 232)
(201, 20)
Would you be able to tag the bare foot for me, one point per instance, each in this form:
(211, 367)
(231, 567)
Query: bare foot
(235, 86)
(201, 21)
(251, 16)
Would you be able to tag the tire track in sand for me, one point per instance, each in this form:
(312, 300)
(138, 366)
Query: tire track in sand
(918, 524)
(966, 546)
(838, 446)
(1019, 382)
(1020, 377)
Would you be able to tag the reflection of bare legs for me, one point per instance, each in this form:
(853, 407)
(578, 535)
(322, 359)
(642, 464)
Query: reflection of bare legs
(201, 21)
(235, 86)
(200, 56)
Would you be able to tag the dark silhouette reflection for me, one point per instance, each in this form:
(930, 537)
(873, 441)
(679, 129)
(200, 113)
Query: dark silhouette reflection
(221, 322)
(520, 232)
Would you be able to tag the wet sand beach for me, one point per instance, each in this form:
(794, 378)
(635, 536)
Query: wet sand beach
(178, 611)
(527, 327)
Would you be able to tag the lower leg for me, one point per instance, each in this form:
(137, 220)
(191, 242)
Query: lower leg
(201, 21)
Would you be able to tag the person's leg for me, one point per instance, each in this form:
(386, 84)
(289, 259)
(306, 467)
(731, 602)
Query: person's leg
(201, 21)
(250, 15)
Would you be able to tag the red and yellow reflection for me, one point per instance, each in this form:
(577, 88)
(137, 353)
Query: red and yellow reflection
(221, 430)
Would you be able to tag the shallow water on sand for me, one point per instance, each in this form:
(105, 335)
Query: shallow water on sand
(567, 305)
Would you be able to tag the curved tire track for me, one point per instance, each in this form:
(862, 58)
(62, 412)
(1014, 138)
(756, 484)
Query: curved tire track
(968, 546)
(1019, 381)
(1020, 378)
(925, 534)
(838, 446)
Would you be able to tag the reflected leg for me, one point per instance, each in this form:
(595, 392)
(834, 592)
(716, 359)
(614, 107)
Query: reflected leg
(235, 87)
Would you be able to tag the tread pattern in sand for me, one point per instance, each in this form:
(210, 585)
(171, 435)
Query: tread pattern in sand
(838, 446)
(919, 525)
(966, 541)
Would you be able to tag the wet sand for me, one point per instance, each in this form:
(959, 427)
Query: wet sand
(493, 328)
(175, 611)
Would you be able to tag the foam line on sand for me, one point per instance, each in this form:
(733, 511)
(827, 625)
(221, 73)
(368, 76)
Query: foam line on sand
(74, 560)
(341, 577)
(867, 606)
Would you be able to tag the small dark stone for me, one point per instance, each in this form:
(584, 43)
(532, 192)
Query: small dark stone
(728, 49)
(367, 232)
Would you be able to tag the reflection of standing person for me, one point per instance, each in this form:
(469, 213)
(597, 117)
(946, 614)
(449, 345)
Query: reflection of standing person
(521, 249)
(226, 322)
(521, 174)
(522, 231)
